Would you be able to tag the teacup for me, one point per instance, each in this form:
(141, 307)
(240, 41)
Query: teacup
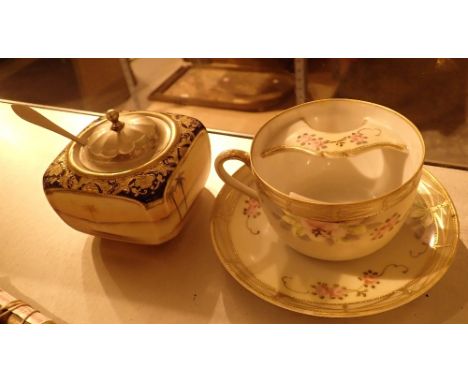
(336, 178)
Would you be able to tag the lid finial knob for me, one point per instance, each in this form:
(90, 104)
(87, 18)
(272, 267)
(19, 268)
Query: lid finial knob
(113, 116)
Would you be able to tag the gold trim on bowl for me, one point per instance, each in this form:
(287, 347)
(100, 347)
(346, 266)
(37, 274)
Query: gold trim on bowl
(339, 211)
(331, 154)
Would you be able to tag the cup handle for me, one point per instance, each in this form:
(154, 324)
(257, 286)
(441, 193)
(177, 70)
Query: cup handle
(228, 179)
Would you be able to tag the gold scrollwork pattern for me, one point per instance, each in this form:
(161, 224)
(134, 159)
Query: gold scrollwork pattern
(147, 186)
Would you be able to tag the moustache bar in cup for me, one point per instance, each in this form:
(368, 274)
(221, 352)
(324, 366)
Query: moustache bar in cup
(336, 178)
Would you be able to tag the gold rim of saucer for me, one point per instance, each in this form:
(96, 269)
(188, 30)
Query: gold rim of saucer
(430, 274)
(342, 211)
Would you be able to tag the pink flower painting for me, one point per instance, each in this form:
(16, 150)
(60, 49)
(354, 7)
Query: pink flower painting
(318, 230)
(387, 226)
(358, 138)
(318, 143)
(323, 290)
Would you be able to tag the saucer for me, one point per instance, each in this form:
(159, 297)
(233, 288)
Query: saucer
(413, 262)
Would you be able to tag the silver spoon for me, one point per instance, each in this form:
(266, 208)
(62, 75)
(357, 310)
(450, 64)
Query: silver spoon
(32, 116)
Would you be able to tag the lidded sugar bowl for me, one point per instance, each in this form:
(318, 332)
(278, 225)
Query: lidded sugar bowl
(134, 179)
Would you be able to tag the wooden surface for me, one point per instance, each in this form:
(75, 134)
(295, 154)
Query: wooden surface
(76, 278)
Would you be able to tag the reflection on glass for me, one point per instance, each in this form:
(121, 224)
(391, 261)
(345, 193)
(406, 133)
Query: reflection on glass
(430, 92)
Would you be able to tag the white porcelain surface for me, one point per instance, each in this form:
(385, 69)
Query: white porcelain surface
(253, 253)
(336, 207)
(341, 240)
(367, 175)
(147, 206)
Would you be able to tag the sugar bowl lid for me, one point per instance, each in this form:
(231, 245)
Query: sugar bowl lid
(123, 143)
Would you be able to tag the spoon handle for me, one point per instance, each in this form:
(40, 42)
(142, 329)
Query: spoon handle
(32, 116)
